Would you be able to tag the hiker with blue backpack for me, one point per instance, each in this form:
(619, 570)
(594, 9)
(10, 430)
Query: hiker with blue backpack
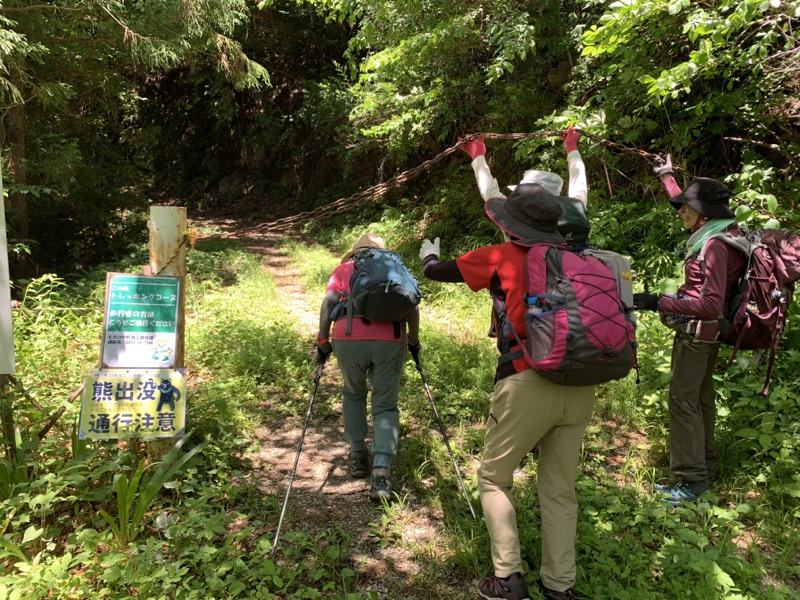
(369, 347)
(712, 271)
(529, 404)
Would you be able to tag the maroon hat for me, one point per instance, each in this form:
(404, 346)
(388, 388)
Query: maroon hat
(530, 213)
(707, 196)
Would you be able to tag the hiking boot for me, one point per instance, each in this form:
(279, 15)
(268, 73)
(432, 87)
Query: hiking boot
(357, 462)
(380, 486)
(553, 594)
(681, 491)
(503, 588)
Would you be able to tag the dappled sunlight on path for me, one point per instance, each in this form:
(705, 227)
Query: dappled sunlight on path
(325, 502)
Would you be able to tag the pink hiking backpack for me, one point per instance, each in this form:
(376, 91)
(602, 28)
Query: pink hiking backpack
(577, 330)
(758, 309)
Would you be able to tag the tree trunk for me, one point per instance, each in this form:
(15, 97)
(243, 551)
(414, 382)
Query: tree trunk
(17, 201)
(17, 215)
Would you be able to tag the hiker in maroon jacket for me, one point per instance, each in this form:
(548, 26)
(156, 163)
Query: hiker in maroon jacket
(694, 313)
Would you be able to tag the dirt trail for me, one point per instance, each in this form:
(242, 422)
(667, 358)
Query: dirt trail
(324, 497)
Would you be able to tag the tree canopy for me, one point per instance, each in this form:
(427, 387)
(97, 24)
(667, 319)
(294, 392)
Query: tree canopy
(290, 104)
(255, 111)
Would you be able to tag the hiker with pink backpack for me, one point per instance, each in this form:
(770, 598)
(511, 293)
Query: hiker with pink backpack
(547, 287)
(544, 387)
(695, 313)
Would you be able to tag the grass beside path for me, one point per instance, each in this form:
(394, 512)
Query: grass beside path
(209, 533)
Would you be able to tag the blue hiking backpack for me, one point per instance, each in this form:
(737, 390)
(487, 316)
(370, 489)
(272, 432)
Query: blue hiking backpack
(381, 289)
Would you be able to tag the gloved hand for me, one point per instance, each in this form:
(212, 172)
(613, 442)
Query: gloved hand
(662, 165)
(429, 248)
(414, 349)
(322, 351)
(570, 137)
(645, 301)
(474, 147)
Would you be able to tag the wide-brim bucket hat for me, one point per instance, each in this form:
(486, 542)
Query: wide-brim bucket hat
(529, 214)
(549, 181)
(707, 196)
(367, 240)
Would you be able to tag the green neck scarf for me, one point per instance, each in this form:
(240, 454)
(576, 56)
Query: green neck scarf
(709, 228)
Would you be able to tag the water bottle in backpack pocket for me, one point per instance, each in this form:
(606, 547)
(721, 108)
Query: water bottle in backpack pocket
(577, 329)
(540, 323)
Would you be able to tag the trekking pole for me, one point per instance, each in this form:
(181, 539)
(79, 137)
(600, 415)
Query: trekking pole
(444, 435)
(297, 456)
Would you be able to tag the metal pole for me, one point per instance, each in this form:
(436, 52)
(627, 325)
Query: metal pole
(6, 330)
(297, 457)
(444, 435)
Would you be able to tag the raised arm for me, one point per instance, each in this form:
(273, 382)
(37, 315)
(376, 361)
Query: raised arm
(487, 185)
(578, 187)
(662, 168)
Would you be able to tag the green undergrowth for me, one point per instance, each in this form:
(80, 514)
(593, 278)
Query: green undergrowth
(207, 531)
(734, 544)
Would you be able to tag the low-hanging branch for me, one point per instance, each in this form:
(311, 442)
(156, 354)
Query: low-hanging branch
(376, 191)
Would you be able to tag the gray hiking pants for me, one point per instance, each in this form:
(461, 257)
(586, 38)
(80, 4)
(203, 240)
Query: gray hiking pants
(381, 363)
(692, 411)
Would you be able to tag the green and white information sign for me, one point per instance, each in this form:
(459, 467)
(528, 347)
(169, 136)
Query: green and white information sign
(141, 318)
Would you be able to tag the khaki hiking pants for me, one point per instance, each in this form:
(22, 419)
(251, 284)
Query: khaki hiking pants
(381, 363)
(527, 408)
(692, 410)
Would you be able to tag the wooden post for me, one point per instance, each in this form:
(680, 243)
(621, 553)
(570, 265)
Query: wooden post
(167, 249)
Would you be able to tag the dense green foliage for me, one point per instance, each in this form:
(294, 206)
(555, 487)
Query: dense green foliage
(259, 112)
(74, 81)
(81, 520)
(175, 102)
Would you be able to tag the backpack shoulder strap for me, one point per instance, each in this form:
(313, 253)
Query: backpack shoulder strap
(348, 326)
(739, 242)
